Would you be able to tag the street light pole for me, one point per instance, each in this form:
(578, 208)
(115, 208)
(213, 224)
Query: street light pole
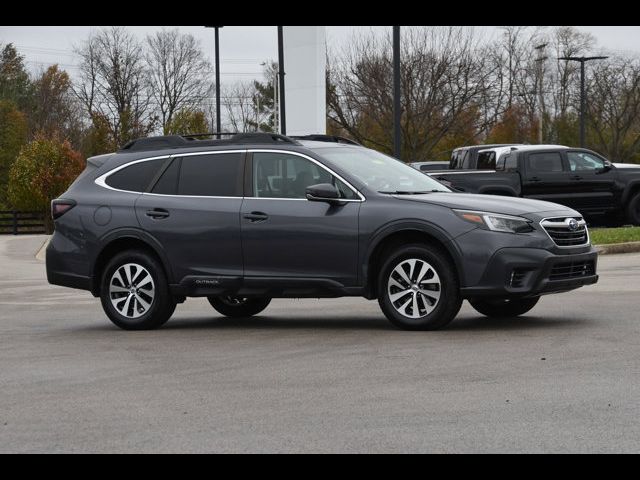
(281, 74)
(397, 112)
(217, 62)
(583, 92)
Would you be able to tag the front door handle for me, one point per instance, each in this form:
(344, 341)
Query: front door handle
(158, 213)
(256, 217)
(576, 177)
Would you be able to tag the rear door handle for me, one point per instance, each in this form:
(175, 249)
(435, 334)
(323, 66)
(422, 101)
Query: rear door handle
(535, 179)
(256, 217)
(158, 213)
(576, 177)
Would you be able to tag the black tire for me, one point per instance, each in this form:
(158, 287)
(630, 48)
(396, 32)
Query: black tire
(444, 309)
(162, 303)
(504, 307)
(633, 210)
(239, 307)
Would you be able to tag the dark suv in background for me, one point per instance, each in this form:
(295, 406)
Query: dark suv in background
(254, 217)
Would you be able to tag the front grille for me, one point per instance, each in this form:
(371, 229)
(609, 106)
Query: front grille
(567, 231)
(567, 271)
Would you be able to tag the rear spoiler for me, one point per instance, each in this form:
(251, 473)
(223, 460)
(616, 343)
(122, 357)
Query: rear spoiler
(98, 160)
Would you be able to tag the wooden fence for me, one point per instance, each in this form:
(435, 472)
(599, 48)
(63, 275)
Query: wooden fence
(17, 223)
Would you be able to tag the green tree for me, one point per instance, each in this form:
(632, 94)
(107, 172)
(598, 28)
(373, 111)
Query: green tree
(55, 110)
(187, 122)
(14, 79)
(13, 135)
(264, 101)
(43, 170)
(97, 139)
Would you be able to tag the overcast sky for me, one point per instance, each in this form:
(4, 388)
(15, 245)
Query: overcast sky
(242, 49)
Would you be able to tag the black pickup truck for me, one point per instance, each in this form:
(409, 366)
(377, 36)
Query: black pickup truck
(605, 193)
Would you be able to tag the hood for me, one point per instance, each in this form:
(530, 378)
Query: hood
(626, 166)
(487, 203)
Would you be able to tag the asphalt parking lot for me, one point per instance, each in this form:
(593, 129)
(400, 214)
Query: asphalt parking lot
(317, 375)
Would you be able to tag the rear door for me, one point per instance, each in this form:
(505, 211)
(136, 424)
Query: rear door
(193, 210)
(547, 177)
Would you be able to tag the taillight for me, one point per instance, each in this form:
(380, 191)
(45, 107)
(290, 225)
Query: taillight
(60, 207)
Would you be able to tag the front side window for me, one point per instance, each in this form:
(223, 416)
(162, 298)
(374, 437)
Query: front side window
(544, 162)
(136, 177)
(211, 175)
(584, 162)
(279, 175)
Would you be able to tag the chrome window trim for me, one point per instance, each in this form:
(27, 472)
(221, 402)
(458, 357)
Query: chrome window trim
(581, 223)
(101, 180)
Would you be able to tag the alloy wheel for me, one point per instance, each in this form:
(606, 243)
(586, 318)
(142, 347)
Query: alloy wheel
(414, 288)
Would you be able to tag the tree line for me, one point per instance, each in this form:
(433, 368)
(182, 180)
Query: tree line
(124, 89)
(457, 89)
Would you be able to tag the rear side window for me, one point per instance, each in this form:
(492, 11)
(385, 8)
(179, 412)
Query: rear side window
(487, 160)
(510, 162)
(544, 162)
(136, 177)
(168, 182)
(214, 175)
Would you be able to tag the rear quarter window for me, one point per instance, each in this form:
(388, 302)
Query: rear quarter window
(136, 177)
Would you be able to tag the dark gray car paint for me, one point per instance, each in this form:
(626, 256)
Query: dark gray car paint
(304, 248)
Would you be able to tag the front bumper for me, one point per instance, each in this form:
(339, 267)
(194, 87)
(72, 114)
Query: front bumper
(531, 272)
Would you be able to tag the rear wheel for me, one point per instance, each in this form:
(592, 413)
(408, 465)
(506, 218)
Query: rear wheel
(239, 307)
(504, 307)
(135, 293)
(633, 210)
(418, 288)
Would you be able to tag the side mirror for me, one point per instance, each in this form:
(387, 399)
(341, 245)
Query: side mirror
(607, 167)
(324, 192)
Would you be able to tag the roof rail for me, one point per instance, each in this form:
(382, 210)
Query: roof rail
(326, 138)
(193, 140)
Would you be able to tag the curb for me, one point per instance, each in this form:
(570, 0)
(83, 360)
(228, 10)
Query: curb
(42, 252)
(617, 248)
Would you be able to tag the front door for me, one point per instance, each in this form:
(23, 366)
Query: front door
(593, 185)
(284, 235)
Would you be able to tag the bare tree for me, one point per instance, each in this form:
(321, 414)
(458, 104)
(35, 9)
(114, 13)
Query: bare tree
(113, 83)
(442, 83)
(241, 103)
(614, 108)
(178, 72)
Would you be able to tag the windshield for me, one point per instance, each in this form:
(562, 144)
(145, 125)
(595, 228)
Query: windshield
(380, 172)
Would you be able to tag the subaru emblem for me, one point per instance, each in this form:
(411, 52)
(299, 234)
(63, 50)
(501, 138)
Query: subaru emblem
(572, 224)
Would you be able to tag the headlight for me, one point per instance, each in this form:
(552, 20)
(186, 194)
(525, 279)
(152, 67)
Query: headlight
(496, 222)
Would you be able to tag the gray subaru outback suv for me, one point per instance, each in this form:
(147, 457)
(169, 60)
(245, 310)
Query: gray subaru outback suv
(246, 219)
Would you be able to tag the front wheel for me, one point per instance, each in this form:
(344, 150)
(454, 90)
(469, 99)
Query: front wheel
(633, 210)
(504, 307)
(239, 307)
(418, 288)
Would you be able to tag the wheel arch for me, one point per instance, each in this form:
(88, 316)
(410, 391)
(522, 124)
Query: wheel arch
(401, 234)
(631, 190)
(126, 240)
